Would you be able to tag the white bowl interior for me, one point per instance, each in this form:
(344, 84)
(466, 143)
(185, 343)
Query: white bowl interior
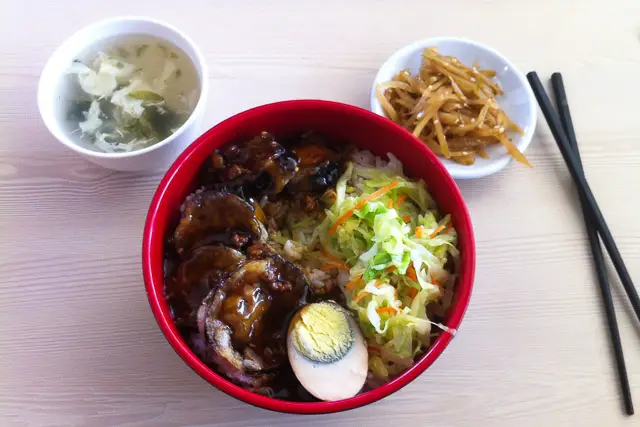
(54, 80)
(518, 100)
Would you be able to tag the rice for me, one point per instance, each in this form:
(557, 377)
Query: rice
(293, 250)
(318, 278)
(368, 159)
(342, 278)
(364, 158)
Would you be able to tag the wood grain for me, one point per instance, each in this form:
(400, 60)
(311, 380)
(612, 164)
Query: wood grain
(78, 344)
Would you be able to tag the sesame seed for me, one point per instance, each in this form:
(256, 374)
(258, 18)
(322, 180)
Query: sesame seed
(475, 70)
(430, 87)
(501, 130)
(496, 127)
(473, 79)
(435, 122)
(473, 120)
(420, 114)
(454, 60)
(457, 120)
(461, 125)
(465, 104)
(434, 78)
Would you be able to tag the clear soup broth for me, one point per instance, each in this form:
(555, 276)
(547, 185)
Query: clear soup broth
(128, 93)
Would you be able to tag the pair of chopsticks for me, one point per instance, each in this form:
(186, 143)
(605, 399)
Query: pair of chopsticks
(564, 134)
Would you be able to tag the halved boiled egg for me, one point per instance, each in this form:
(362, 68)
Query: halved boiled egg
(327, 351)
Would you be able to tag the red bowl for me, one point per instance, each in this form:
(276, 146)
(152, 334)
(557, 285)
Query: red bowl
(343, 122)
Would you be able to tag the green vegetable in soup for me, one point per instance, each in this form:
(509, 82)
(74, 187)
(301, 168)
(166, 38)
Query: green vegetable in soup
(146, 95)
(131, 95)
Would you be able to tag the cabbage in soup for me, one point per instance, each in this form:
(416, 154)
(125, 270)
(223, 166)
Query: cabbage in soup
(130, 93)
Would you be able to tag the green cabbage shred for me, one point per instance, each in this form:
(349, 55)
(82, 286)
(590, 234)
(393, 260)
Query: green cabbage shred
(379, 243)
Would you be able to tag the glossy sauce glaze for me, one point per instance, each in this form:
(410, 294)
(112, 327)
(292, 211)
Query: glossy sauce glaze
(231, 294)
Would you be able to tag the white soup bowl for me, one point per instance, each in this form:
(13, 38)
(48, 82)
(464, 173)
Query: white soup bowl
(53, 106)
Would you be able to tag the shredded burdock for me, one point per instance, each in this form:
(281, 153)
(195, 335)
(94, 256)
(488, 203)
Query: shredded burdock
(450, 107)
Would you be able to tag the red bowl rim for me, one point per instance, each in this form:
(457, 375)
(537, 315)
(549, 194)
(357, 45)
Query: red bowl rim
(156, 299)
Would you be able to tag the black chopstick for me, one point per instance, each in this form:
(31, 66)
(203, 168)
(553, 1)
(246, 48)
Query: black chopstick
(562, 105)
(590, 203)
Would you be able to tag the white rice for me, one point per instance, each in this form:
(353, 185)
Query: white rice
(293, 250)
(319, 278)
(367, 159)
(343, 278)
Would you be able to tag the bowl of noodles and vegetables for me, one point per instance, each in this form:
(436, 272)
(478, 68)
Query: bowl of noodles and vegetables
(308, 257)
(462, 99)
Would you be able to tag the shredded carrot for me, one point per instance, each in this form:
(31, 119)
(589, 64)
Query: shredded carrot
(391, 268)
(419, 231)
(352, 283)
(413, 292)
(360, 296)
(406, 218)
(401, 199)
(330, 256)
(386, 310)
(374, 348)
(340, 220)
(411, 272)
(360, 204)
(336, 266)
(435, 282)
(437, 231)
(389, 204)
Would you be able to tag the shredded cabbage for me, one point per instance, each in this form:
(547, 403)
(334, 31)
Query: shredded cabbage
(120, 106)
(397, 269)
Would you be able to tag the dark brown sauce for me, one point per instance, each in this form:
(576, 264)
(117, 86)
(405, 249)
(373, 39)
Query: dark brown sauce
(221, 274)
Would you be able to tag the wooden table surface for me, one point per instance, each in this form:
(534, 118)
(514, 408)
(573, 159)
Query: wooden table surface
(78, 343)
